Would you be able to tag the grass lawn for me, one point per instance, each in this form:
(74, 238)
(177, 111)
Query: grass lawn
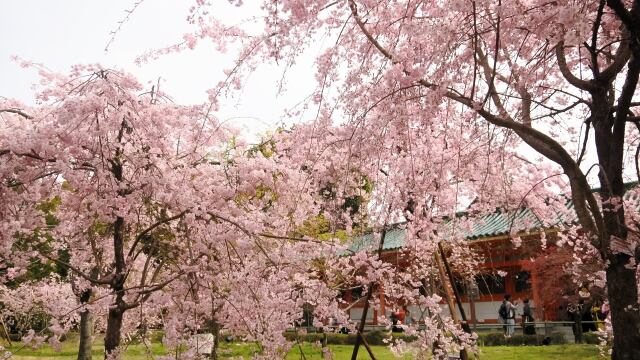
(340, 352)
(551, 352)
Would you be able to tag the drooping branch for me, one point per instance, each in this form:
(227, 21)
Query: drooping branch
(586, 206)
(494, 68)
(584, 142)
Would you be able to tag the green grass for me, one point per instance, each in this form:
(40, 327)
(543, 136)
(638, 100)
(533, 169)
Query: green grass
(552, 352)
(69, 350)
(340, 352)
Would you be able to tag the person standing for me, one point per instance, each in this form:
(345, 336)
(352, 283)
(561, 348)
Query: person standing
(575, 314)
(596, 314)
(502, 316)
(587, 318)
(507, 315)
(527, 317)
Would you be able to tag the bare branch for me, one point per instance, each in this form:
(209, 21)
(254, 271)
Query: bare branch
(566, 72)
(595, 68)
(153, 226)
(372, 40)
(17, 111)
(79, 272)
(620, 59)
(113, 33)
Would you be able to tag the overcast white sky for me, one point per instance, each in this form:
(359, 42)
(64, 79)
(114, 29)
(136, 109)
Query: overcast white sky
(62, 33)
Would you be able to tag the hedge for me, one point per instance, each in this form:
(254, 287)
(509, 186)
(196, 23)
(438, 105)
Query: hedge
(591, 338)
(373, 337)
(498, 339)
(378, 337)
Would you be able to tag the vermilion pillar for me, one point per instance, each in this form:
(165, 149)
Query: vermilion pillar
(540, 313)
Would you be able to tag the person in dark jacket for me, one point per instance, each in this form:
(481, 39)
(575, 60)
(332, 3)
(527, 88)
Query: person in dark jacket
(527, 317)
(574, 311)
(587, 318)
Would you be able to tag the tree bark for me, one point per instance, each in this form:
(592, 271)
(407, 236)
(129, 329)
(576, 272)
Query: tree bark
(86, 335)
(215, 330)
(623, 303)
(116, 313)
(622, 282)
(114, 328)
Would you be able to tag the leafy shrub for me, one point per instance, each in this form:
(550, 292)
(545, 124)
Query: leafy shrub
(376, 337)
(156, 336)
(498, 339)
(590, 338)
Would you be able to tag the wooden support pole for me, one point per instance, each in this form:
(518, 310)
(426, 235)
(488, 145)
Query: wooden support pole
(366, 346)
(6, 331)
(382, 301)
(448, 292)
(463, 318)
(370, 291)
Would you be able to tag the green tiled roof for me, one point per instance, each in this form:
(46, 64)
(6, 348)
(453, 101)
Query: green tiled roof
(499, 223)
(495, 224)
(393, 239)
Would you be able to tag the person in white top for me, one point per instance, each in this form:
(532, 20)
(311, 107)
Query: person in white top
(507, 314)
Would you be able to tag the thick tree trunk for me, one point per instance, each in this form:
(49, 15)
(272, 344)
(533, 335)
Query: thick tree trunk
(623, 301)
(215, 330)
(114, 328)
(609, 125)
(622, 285)
(86, 335)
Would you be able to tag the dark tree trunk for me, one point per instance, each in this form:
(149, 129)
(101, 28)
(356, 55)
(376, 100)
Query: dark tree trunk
(86, 335)
(114, 328)
(622, 283)
(623, 302)
(621, 279)
(116, 313)
(215, 330)
(609, 126)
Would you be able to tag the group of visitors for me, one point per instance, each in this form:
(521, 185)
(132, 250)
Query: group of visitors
(508, 312)
(590, 316)
(585, 317)
(397, 320)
